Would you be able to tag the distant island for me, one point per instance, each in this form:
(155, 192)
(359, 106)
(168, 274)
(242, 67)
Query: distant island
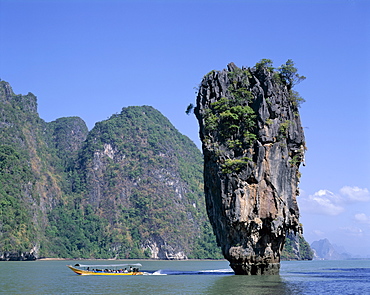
(324, 250)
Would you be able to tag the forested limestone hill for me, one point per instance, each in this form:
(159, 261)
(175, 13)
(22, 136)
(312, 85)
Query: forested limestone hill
(129, 188)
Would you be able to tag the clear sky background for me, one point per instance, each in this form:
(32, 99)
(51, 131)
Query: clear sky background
(91, 58)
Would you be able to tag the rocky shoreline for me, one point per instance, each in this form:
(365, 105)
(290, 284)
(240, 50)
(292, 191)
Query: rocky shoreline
(17, 256)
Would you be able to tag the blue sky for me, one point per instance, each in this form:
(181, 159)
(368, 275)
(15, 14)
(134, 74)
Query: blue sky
(91, 58)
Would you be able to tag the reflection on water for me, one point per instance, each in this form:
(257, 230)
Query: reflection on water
(262, 285)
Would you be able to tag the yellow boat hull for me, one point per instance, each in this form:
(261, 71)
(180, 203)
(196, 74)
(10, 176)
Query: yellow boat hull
(102, 273)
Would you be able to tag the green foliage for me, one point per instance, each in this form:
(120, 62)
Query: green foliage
(306, 253)
(288, 250)
(239, 76)
(296, 98)
(293, 250)
(234, 144)
(233, 120)
(210, 73)
(236, 120)
(265, 63)
(249, 137)
(205, 246)
(283, 128)
(295, 160)
(211, 121)
(241, 95)
(77, 232)
(286, 74)
(289, 74)
(235, 165)
(221, 105)
(17, 230)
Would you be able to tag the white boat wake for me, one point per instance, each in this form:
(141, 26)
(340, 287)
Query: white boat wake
(165, 272)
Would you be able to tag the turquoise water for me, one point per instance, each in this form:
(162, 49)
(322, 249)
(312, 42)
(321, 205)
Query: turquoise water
(187, 277)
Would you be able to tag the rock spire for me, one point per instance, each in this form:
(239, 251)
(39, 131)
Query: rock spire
(253, 145)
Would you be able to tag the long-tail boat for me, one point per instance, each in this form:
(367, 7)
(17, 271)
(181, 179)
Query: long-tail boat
(107, 270)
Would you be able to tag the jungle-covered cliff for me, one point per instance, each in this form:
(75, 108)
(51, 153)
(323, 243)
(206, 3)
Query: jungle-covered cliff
(132, 187)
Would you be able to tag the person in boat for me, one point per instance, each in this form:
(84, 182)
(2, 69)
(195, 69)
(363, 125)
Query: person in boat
(125, 270)
(130, 268)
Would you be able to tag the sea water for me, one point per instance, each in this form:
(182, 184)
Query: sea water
(187, 277)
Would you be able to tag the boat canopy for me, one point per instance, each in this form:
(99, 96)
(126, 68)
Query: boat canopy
(109, 265)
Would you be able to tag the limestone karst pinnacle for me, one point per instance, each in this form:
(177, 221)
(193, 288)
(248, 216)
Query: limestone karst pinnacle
(253, 145)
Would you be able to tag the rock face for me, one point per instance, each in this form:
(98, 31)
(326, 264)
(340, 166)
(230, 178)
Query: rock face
(253, 145)
(17, 256)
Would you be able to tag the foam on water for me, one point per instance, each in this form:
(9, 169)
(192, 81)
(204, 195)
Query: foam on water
(158, 273)
(164, 272)
(226, 271)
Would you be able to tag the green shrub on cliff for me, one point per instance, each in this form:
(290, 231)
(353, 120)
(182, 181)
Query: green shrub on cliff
(265, 63)
(235, 165)
(17, 229)
(296, 248)
(289, 74)
(233, 119)
(286, 74)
